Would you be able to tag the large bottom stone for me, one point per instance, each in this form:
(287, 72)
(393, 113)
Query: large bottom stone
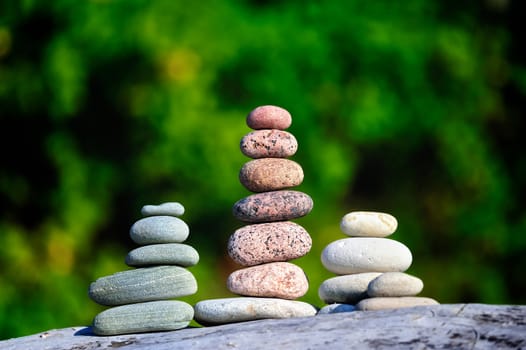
(154, 316)
(230, 310)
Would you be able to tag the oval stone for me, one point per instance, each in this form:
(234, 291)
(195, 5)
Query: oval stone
(384, 303)
(144, 284)
(269, 242)
(269, 143)
(270, 174)
(169, 208)
(274, 280)
(395, 284)
(159, 229)
(269, 117)
(229, 310)
(336, 309)
(273, 206)
(368, 224)
(348, 289)
(163, 254)
(366, 254)
(154, 316)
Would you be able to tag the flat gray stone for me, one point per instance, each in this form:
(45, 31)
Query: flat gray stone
(366, 254)
(169, 208)
(159, 229)
(144, 284)
(163, 254)
(395, 284)
(386, 303)
(347, 289)
(230, 310)
(153, 316)
(336, 308)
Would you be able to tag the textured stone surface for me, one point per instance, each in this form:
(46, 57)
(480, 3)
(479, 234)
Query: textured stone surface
(270, 174)
(269, 117)
(347, 289)
(163, 254)
(229, 310)
(144, 284)
(384, 303)
(366, 254)
(272, 280)
(159, 229)
(268, 144)
(368, 224)
(456, 326)
(336, 308)
(273, 206)
(153, 316)
(268, 242)
(395, 284)
(169, 208)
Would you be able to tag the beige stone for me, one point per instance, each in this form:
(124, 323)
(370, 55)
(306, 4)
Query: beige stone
(395, 284)
(368, 224)
(384, 303)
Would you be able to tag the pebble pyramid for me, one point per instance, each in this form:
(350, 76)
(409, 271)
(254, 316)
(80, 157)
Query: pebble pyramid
(268, 283)
(371, 267)
(140, 298)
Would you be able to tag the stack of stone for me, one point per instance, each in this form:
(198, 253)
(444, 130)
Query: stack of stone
(269, 283)
(371, 267)
(141, 296)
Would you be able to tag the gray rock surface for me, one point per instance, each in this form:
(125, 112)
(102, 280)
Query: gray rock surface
(453, 326)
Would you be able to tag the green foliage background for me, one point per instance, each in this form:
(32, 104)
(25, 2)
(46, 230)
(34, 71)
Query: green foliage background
(413, 108)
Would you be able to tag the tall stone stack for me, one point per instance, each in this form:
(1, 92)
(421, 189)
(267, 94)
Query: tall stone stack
(371, 267)
(268, 283)
(140, 298)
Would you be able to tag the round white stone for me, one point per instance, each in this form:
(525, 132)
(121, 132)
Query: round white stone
(335, 309)
(368, 224)
(395, 284)
(384, 303)
(366, 254)
(169, 208)
(348, 289)
(229, 310)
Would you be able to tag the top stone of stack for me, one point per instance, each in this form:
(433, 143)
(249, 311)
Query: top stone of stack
(269, 117)
(368, 224)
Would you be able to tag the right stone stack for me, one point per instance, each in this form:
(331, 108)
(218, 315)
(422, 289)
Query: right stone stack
(371, 267)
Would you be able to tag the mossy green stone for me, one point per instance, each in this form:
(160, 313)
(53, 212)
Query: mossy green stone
(163, 254)
(154, 316)
(144, 284)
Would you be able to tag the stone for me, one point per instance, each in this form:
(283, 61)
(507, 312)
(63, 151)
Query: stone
(336, 309)
(273, 280)
(384, 303)
(368, 224)
(273, 206)
(154, 316)
(347, 289)
(268, 143)
(268, 242)
(270, 174)
(143, 284)
(395, 284)
(269, 117)
(230, 310)
(169, 208)
(366, 254)
(163, 254)
(159, 229)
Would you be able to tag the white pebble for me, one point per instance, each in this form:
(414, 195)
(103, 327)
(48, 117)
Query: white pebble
(368, 224)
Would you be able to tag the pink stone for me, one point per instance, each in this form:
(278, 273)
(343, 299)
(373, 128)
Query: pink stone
(273, 280)
(269, 242)
(273, 206)
(270, 174)
(269, 117)
(268, 143)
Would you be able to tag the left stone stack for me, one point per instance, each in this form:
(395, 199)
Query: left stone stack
(140, 298)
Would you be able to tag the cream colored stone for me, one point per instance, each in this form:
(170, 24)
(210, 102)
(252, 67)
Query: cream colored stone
(384, 303)
(368, 224)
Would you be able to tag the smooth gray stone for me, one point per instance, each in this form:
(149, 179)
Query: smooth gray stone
(159, 229)
(229, 310)
(153, 316)
(169, 208)
(144, 284)
(395, 284)
(163, 254)
(336, 308)
(347, 289)
(385, 303)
